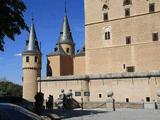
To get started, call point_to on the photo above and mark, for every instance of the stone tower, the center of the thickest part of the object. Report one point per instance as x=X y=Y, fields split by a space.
x=65 y=40
x=31 y=65
x=60 y=61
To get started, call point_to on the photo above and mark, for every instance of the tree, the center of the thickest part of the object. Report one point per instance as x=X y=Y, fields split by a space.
x=8 y=88
x=11 y=19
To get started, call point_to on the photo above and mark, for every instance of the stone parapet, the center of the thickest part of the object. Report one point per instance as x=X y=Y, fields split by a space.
x=123 y=75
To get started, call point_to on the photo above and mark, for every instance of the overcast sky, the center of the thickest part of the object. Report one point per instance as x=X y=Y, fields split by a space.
x=48 y=17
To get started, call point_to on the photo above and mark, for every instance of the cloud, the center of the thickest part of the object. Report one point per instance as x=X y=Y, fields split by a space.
x=18 y=54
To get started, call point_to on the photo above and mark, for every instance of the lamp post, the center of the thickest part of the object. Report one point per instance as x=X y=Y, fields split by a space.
x=81 y=96
x=110 y=94
x=158 y=100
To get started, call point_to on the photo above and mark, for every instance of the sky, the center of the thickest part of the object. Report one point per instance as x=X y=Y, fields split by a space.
x=48 y=18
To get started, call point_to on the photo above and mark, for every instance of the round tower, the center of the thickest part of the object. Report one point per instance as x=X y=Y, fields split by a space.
x=31 y=64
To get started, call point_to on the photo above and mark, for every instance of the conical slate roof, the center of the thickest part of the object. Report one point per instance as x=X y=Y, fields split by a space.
x=32 y=42
x=81 y=52
x=65 y=34
x=58 y=51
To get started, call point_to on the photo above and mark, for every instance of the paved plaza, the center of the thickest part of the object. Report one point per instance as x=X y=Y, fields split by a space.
x=103 y=114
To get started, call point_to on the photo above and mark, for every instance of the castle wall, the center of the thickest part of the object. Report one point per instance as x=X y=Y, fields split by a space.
x=115 y=55
x=94 y=9
x=54 y=63
x=30 y=86
x=54 y=88
x=136 y=87
x=79 y=65
x=144 y=57
x=66 y=65
x=31 y=71
x=61 y=65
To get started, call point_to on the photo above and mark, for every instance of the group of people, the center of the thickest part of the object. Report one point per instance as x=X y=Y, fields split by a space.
x=39 y=100
x=49 y=103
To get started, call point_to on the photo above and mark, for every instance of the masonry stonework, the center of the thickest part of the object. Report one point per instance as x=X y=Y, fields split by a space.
x=121 y=54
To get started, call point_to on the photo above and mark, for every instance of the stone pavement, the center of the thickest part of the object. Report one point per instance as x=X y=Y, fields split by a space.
x=103 y=114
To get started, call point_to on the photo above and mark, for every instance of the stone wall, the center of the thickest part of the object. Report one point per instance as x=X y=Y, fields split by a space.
x=134 y=87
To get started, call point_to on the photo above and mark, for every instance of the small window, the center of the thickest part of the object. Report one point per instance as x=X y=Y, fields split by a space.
x=27 y=59
x=105 y=16
x=100 y=95
x=107 y=36
x=127 y=2
x=67 y=50
x=27 y=42
x=55 y=49
x=124 y=66
x=36 y=43
x=105 y=7
x=36 y=59
x=147 y=99
x=127 y=99
x=151 y=7
x=83 y=48
x=77 y=93
x=155 y=36
x=127 y=12
x=128 y=40
x=86 y=93
x=131 y=69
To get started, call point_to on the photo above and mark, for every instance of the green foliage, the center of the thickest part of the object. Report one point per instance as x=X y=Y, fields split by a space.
x=11 y=19
x=10 y=89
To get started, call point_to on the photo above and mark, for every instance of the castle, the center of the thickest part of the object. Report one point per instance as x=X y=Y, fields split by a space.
x=121 y=54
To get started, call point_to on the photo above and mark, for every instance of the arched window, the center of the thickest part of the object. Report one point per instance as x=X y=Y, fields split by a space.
x=49 y=69
x=67 y=50
x=127 y=2
x=107 y=34
x=27 y=59
x=36 y=59
x=105 y=16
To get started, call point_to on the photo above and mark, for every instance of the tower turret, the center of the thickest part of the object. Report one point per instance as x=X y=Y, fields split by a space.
x=65 y=38
x=31 y=65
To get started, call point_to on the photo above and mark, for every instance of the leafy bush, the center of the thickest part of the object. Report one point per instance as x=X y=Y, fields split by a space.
x=8 y=88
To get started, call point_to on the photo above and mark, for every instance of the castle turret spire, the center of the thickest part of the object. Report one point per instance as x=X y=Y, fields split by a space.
x=32 y=43
x=31 y=64
x=65 y=34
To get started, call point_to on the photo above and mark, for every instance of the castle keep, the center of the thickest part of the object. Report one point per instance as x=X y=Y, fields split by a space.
x=121 y=54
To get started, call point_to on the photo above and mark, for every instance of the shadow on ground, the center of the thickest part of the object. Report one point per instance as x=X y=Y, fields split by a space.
x=75 y=113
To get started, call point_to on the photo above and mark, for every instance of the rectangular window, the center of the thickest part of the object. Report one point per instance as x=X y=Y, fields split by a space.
x=130 y=69
x=107 y=36
x=105 y=16
x=151 y=7
x=67 y=50
x=128 y=40
x=36 y=59
x=127 y=99
x=124 y=66
x=147 y=99
x=127 y=2
x=86 y=93
x=27 y=59
x=155 y=37
x=77 y=93
x=100 y=95
x=127 y=12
